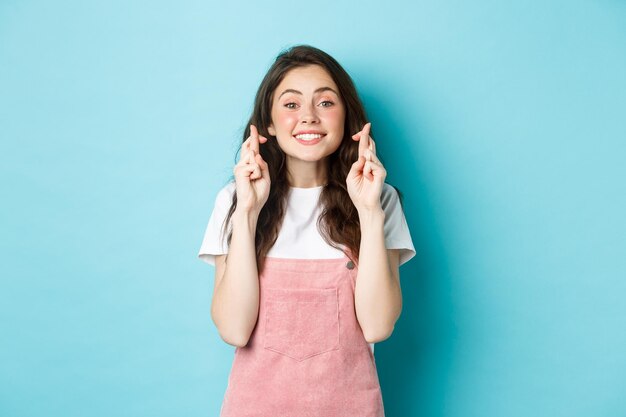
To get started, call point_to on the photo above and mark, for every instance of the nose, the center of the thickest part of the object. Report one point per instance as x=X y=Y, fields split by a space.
x=309 y=114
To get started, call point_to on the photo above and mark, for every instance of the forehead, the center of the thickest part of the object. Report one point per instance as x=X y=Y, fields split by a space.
x=306 y=79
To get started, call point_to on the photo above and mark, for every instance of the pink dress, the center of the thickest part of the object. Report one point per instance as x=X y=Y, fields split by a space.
x=307 y=356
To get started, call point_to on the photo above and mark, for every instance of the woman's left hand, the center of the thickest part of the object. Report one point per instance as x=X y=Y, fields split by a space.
x=367 y=175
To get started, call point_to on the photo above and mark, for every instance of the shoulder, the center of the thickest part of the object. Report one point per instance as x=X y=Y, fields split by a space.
x=391 y=203
x=389 y=196
x=225 y=194
x=397 y=234
x=229 y=187
x=388 y=189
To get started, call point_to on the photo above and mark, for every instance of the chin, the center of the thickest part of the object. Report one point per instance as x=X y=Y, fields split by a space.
x=308 y=158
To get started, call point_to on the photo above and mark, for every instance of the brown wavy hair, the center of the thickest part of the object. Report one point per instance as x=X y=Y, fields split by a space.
x=339 y=221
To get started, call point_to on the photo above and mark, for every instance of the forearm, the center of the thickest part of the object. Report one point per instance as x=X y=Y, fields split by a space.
x=378 y=298
x=236 y=301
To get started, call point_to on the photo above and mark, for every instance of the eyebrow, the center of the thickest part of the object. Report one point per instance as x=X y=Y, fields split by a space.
x=291 y=90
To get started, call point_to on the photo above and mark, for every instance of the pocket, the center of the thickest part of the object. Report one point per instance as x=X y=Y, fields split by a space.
x=301 y=323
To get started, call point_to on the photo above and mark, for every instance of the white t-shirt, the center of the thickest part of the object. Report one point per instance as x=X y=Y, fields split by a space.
x=299 y=236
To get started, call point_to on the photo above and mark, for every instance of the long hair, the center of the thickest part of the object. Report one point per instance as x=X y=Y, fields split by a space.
x=339 y=221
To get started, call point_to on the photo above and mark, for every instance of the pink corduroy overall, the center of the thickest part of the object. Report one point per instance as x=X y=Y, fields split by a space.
x=307 y=356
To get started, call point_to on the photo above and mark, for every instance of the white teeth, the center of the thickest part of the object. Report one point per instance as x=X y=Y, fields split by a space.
x=308 y=136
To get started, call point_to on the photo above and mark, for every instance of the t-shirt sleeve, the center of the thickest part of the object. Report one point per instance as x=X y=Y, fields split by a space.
x=213 y=242
x=397 y=234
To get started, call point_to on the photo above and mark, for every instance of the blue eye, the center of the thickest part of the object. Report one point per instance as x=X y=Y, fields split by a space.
x=327 y=101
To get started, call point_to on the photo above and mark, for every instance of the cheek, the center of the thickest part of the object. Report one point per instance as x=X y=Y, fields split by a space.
x=285 y=120
x=336 y=117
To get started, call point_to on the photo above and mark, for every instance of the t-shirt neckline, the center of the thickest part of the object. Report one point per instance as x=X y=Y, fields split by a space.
x=307 y=188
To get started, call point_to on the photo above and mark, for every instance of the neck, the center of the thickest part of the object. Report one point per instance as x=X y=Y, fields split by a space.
x=305 y=174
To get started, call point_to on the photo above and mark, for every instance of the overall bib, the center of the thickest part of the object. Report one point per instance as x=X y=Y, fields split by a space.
x=307 y=356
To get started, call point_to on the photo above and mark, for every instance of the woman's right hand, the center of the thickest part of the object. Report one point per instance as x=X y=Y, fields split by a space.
x=252 y=176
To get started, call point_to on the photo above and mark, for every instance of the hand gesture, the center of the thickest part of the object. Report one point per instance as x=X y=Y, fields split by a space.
x=252 y=176
x=367 y=175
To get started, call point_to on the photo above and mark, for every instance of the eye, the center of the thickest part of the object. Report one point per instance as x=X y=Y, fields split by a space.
x=330 y=103
x=289 y=104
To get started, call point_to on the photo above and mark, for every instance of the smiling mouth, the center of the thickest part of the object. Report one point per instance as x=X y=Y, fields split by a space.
x=309 y=136
x=309 y=139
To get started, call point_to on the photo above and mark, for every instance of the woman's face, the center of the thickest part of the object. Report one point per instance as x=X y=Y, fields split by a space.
x=307 y=114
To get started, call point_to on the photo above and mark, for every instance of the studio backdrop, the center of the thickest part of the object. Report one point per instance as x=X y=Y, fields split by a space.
x=503 y=124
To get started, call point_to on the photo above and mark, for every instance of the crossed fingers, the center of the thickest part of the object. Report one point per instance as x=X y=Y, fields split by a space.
x=367 y=146
x=250 y=149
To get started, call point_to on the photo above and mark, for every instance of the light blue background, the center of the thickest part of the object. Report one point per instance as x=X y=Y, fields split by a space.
x=502 y=122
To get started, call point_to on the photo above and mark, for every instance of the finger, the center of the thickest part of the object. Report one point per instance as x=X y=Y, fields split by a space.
x=371 y=146
x=376 y=170
x=256 y=174
x=256 y=170
x=358 y=165
x=244 y=160
x=367 y=170
x=364 y=139
x=248 y=144
x=355 y=169
x=244 y=148
x=252 y=171
x=358 y=134
x=258 y=157
x=243 y=170
x=264 y=167
x=254 y=161
x=250 y=156
x=263 y=171
x=371 y=156
x=254 y=134
x=367 y=154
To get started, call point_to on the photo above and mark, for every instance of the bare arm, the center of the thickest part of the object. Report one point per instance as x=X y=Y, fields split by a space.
x=378 y=296
x=235 y=305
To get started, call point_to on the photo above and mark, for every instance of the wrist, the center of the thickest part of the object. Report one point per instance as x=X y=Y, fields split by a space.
x=371 y=215
x=245 y=218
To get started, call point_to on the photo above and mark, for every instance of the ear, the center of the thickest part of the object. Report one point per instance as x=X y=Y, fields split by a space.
x=271 y=130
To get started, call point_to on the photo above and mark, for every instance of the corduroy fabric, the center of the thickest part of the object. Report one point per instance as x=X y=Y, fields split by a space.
x=307 y=356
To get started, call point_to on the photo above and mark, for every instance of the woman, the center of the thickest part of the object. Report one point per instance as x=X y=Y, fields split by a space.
x=308 y=273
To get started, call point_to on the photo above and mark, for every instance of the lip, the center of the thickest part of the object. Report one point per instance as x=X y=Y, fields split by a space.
x=314 y=132
x=310 y=132
x=309 y=142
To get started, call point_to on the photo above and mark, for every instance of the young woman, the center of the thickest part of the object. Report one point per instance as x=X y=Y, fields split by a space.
x=306 y=241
